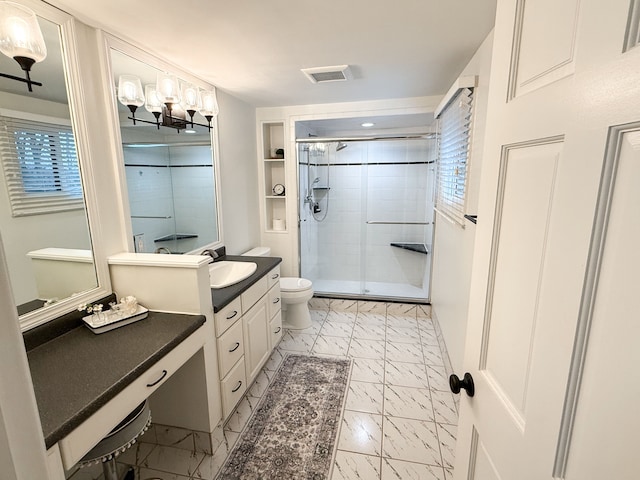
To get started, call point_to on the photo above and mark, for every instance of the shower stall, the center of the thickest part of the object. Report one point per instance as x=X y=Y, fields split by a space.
x=366 y=216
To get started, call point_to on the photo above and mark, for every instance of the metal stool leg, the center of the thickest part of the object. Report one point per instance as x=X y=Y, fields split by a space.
x=110 y=470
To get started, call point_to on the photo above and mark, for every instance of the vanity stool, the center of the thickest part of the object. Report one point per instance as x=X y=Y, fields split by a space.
x=123 y=436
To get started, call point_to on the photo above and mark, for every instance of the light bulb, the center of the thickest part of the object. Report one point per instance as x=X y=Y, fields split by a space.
x=152 y=103
x=209 y=107
x=130 y=91
x=167 y=88
x=191 y=97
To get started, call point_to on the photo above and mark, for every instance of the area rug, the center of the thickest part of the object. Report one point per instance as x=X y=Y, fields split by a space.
x=293 y=431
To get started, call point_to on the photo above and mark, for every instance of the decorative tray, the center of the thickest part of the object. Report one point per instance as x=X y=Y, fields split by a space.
x=110 y=319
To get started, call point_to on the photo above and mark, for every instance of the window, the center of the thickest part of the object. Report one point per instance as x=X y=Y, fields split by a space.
x=453 y=155
x=40 y=167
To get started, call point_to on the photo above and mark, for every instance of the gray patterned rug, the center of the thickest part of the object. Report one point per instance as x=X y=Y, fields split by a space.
x=292 y=433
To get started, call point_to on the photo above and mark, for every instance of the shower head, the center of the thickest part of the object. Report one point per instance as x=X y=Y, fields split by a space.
x=341 y=146
x=316 y=180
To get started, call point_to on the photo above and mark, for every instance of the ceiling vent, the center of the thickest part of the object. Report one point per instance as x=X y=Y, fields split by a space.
x=336 y=73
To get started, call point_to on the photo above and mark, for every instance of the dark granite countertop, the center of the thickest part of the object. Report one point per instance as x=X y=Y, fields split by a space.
x=222 y=297
x=78 y=372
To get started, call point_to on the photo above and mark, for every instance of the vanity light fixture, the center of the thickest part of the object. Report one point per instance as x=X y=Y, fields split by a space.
x=209 y=108
x=191 y=99
x=21 y=39
x=169 y=101
x=367 y=124
x=130 y=93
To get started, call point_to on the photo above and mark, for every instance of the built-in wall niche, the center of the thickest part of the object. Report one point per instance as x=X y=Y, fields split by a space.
x=273 y=168
x=45 y=177
x=170 y=167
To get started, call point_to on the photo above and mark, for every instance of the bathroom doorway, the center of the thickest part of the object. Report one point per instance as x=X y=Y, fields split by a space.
x=366 y=216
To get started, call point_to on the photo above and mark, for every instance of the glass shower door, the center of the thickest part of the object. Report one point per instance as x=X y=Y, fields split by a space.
x=399 y=212
x=365 y=218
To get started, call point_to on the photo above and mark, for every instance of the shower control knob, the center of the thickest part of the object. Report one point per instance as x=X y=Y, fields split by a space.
x=455 y=384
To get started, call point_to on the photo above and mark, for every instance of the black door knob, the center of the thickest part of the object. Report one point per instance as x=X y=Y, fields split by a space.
x=455 y=384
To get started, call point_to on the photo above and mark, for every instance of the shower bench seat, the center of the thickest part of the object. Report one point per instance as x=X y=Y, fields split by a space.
x=414 y=247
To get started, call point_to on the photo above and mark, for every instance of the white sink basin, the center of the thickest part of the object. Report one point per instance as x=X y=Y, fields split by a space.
x=225 y=273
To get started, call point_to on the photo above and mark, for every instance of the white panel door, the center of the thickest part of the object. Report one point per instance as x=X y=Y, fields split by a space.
x=552 y=329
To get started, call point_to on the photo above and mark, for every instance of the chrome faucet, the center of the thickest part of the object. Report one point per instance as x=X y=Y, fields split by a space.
x=211 y=253
x=162 y=250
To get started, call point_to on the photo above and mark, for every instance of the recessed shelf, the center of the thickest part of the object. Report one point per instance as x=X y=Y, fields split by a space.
x=273 y=171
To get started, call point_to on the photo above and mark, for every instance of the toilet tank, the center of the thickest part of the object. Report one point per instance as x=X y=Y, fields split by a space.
x=258 y=252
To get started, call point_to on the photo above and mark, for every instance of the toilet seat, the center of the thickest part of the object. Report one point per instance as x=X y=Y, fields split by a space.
x=293 y=284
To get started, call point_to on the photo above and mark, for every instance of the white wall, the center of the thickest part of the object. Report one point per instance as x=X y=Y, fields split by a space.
x=453 y=245
x=238 y=174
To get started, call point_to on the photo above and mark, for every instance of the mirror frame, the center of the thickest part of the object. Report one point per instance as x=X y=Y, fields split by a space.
x=78 y=110
x=110 y=43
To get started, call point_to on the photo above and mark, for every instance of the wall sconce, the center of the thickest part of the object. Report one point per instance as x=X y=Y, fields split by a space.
x=168 y=100
x=21 y=39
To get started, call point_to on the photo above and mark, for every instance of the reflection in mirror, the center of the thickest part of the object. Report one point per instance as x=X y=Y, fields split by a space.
x=42 y=210
x=168 y=158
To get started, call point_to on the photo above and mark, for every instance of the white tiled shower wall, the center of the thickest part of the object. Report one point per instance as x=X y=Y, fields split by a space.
x=369 y=181
x=175 y=182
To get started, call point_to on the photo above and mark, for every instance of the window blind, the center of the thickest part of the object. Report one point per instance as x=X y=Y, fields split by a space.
x=40 y=166
x=453 y=155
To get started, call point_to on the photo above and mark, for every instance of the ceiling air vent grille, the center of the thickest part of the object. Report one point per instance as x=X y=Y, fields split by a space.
x=328 y=74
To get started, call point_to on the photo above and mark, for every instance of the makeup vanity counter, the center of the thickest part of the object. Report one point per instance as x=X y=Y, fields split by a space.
x=85 y=383
x=77 y=373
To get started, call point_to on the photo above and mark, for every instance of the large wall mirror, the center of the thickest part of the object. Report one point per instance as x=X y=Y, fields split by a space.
x=170 y=158
x=43 y=214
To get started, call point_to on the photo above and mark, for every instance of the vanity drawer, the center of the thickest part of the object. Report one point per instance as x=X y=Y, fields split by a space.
x=77 y=443
x=275 y=327
x=230 y=348
x=233 y=387
x=274 y=300
x=255 y=293
x=274 y=276
x=227 y=316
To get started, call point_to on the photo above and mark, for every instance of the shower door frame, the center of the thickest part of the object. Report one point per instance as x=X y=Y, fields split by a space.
x=363 y=280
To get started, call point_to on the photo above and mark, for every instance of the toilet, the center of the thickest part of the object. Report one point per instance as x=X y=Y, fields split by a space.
x=295 y=293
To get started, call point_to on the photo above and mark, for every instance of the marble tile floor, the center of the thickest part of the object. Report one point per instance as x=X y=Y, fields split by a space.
x=400 y=417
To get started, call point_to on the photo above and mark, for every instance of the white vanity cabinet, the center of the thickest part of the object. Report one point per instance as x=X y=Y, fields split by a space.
x=275 y=306
x=256 y=337
x=248 y=329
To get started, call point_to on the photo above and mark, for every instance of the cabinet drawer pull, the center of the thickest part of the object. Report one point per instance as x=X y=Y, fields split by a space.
x=274 y=276
x=233 y=314
x=237 y=346
x=238 y=387
x=278 y=330
x=164 y=374
x=276 y=300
